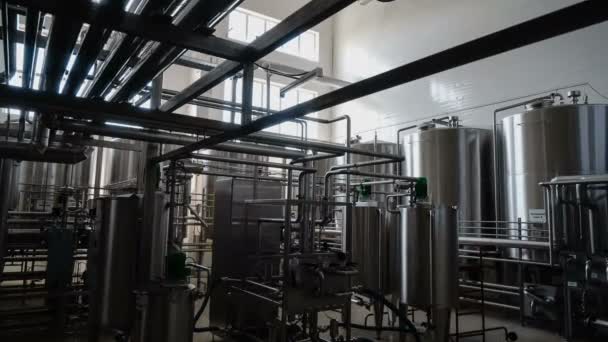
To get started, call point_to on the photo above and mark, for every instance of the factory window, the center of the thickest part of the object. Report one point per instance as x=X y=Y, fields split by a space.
x=246 y=26
x=277 y=103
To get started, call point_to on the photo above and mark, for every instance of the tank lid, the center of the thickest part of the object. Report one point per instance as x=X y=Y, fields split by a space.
x=539 y=104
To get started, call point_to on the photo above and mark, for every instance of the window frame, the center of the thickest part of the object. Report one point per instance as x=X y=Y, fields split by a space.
x=269 y=22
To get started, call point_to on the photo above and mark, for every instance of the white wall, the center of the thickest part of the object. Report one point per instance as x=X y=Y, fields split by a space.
x=377 y=37
x=177 y=77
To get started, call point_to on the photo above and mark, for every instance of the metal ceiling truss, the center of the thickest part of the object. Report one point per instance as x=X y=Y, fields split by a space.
x=560 y=22
x=191 y=29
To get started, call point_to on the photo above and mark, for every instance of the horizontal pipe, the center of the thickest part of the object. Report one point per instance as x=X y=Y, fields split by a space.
x=365 y=163
x=485 y=302
x=249 y=162
x=200 y=170
x=30 y=213
x=29 y=152
x=507 y=260
x=473 y=287
x=256 y=295
x=474 y=241
x=172 y=139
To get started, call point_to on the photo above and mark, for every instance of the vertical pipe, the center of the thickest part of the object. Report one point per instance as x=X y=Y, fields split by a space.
x=98 y=170
x=172 y=183
x=6 y=173
x=268 y=88
x=233 y=98
x=150 y=181
x=247 y=98
x=286 y=252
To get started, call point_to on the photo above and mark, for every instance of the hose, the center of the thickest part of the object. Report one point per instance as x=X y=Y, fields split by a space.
x=200 y=311
x=411 y=329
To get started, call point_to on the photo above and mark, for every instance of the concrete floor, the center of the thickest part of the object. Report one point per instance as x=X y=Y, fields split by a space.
x=472 y=322
x=467 y=323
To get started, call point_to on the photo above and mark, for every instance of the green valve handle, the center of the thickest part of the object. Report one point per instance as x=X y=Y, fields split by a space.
x=421 y=188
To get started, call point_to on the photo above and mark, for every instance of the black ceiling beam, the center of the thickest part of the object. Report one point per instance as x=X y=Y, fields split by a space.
x=126 y=49
x=62 y=39
x=195 y=17
x=32 y=20
x=92 y=45
x=566 y=20
x=311 y=14
x=9 y=17
x=99 y=110
x=147 y=27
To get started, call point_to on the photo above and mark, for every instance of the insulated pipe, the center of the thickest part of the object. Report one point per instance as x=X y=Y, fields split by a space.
x=24 y=151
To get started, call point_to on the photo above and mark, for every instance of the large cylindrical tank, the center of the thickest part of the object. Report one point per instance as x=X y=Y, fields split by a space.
x=371 y=222
x=121 y=167
x=428 y=250
x=37 y=181
x=542 y=143
x=170 y=314
x=369 y=242
x=457 y=162
x=379 y=192
x=111 y=272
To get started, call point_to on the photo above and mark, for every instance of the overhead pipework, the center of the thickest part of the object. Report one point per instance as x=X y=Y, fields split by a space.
x=117 y=219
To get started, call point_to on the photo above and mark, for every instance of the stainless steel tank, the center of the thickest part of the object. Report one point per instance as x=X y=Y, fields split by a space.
x=369 y=241
x=379 y=192
x=542 y=143
x=37 y=181
x=371 y=222
x=457 y=162
x=171 y=314
x=428 y=242
x=121 y=167
x=111 y=272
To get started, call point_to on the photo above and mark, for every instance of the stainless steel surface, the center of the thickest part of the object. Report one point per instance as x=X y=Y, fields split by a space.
x=112 y=266
x=120 y=166
x=414 y=280
x=171 y=314
x=379 y=192
x=206 y=183
x=234 y=244
x=509 y=243
x=6 y=166
x=445 y=256
x=428 y=256
x=457 y=163
x=54 y=174
x=158 y=238
x=540 y=144
x=369 y=241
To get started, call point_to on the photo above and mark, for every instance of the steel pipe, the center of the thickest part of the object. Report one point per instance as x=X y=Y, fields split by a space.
x=476 y=241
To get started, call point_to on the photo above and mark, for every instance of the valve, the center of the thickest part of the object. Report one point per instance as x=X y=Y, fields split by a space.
x=574 y=95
